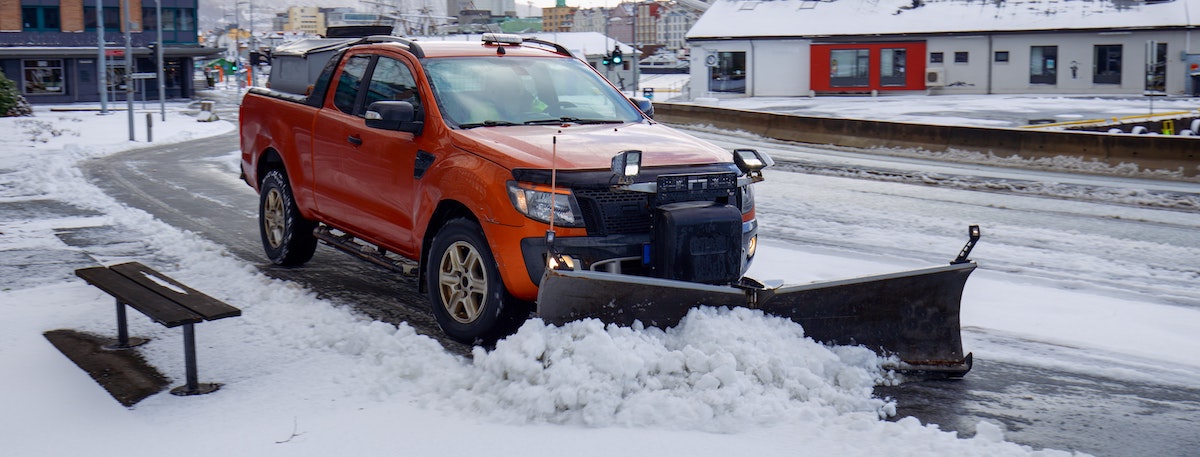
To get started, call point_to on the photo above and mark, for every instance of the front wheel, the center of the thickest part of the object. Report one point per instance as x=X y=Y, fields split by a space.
x=287 y=237
x=468 y=297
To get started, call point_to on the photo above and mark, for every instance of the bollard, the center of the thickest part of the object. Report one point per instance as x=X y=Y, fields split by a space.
x=206 y=113
x=149 y=127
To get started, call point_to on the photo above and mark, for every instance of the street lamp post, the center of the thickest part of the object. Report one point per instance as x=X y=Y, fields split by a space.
x=129 y=68
x=249 y=41
x=636 y=10
x=162 y=85
x=237 y=44
x=101 y=59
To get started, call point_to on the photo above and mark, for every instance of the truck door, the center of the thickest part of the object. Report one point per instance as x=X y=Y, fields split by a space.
x=368 y=176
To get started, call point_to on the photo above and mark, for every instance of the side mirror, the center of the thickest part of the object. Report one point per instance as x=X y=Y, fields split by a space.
x=644 y=104
x=394 y=115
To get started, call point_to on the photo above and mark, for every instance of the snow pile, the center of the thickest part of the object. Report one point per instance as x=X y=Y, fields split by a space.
x=719 y=370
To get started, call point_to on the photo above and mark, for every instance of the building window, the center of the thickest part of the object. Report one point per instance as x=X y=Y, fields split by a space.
x=960 y=57
x=112 y=19
x=1156 y=72
x=40 y=18
x=1002 y=56
x=185 y=19
x=1043 y=65
x=1108 y=64
x=849 y=67
x=168 y=20
x=150 y=19
x=892 y=64
x=173 y=20
x=115 y=75
x=43 y=77
x=935 y=57
x=730 y=73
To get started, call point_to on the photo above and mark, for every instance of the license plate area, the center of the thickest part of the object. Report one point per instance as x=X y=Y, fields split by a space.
x=714 y=187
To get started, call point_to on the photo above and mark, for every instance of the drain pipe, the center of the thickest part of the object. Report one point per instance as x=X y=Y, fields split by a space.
x=991 y=63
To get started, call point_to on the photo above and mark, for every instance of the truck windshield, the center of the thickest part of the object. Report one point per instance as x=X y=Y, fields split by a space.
x=499 y=91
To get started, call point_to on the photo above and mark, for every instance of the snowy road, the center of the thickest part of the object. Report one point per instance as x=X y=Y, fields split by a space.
x=1130 y=239
x=1120 y=236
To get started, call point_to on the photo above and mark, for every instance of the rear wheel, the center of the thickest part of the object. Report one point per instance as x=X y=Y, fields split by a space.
x=465 y=290
x=287 y=237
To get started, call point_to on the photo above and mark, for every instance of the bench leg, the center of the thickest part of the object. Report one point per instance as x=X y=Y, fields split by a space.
x=193 y=386
x=123 y=339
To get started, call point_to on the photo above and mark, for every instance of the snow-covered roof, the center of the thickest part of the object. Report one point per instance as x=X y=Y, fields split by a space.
x=809 y=18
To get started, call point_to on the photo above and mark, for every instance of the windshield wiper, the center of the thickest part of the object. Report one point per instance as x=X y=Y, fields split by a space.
x=574 y=120
x=487 y=123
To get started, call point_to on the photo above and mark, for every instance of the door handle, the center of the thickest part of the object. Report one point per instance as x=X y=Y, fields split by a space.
x=355 y=140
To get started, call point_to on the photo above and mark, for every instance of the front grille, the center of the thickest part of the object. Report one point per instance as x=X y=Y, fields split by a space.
x=609 y=212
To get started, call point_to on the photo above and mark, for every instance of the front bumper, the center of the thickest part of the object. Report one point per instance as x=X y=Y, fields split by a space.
x=631 y=252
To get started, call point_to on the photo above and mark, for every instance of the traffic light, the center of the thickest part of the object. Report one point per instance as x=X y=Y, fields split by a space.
x=606 y=60
x=616 y=56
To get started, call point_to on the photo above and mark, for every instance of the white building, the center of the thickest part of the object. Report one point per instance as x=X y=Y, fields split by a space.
x=673 y=26
x=590 y=20
x=801 y=47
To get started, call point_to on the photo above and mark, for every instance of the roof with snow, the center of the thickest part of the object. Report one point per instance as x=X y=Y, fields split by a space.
x=809 y=18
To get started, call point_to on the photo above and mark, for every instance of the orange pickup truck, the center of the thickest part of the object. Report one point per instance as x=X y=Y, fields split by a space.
x=474 y=165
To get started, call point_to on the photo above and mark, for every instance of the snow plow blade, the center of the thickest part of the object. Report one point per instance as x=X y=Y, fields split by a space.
x=913 y=315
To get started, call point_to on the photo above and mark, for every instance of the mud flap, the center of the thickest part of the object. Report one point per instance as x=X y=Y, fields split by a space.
x=913 y=315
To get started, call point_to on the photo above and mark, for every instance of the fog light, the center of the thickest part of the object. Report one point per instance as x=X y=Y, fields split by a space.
x=752 y=247
x=565 y=261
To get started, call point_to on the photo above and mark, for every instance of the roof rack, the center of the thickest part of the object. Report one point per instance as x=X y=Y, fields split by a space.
x=557 y=47
x=500 y=39
x=410 y=44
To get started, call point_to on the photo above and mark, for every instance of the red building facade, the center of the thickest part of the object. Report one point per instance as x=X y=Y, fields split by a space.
x=861 y=67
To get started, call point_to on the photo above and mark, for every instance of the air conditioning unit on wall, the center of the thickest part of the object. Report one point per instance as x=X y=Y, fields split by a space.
x=935 y=77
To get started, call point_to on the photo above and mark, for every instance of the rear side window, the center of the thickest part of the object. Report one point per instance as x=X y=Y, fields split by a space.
x=348 y=84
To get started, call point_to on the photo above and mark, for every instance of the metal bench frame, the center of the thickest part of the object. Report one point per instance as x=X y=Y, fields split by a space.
x=163 y=300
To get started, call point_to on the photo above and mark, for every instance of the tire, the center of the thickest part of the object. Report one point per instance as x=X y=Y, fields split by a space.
x=287 y=237
x=467 y=295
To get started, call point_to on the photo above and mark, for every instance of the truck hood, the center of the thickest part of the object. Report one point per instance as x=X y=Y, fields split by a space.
x=587 y=147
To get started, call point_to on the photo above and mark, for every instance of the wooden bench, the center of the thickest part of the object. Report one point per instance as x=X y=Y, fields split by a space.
x=164 y=300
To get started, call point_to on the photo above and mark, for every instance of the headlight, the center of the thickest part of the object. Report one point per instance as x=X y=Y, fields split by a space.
x=536 y=203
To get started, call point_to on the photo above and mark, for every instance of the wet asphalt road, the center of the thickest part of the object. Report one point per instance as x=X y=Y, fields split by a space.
x=193 y=186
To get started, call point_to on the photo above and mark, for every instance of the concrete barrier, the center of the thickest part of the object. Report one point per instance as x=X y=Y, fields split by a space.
x=1146 y=151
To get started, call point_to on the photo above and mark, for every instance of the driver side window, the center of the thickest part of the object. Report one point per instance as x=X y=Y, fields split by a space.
x=392 y=80
x=349 y=82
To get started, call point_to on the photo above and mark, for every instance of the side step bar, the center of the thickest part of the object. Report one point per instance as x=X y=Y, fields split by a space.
x=379 y=256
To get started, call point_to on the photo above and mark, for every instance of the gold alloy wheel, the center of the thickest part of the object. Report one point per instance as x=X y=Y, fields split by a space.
x=462 y=282
x=273 y=219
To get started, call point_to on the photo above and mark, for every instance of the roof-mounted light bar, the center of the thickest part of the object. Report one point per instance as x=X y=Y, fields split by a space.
x=516 y=40
x=502 y=38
